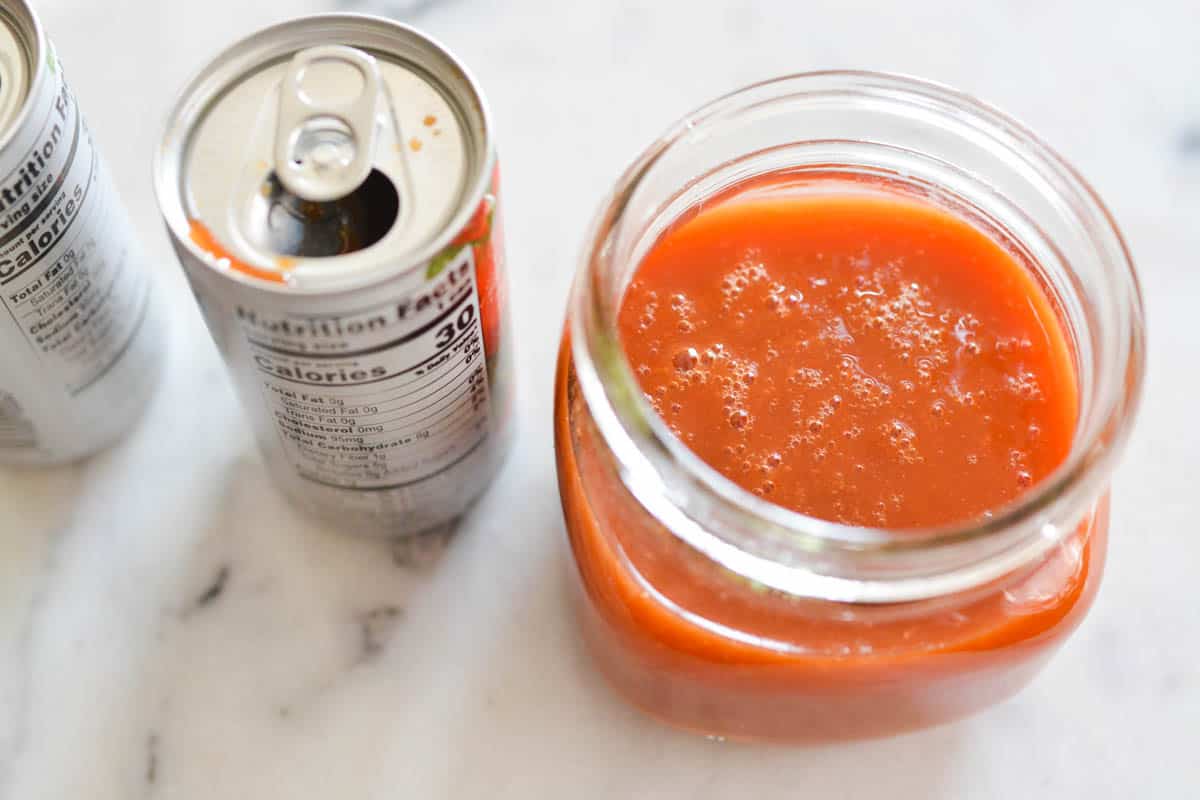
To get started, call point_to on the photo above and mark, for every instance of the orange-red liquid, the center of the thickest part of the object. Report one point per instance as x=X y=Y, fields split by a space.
x=859 y=357
x=868 y=360
x=203 y=238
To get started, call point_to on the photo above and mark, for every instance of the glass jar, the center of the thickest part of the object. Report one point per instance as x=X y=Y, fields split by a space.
x=720 y=612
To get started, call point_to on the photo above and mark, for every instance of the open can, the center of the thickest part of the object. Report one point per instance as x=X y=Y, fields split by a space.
x=330 y=186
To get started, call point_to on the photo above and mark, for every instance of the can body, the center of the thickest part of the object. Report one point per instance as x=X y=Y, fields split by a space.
x=80 y=338
x=382 y=406
x=379 y=411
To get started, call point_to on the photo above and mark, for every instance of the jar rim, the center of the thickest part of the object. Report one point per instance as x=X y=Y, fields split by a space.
x=654 y=464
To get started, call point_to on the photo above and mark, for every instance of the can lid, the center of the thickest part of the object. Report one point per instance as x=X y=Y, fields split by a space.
x=310 y=166
x=16 y=71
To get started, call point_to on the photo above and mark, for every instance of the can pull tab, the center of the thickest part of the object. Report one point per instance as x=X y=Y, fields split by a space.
x=325 y=135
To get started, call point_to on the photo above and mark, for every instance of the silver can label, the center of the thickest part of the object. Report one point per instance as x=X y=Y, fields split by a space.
x=385 y=397
x=67 y=278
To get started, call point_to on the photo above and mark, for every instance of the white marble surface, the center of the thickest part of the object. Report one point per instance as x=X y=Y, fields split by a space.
x=169 y=629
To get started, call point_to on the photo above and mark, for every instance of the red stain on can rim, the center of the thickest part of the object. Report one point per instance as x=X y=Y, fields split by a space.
x=203 y=238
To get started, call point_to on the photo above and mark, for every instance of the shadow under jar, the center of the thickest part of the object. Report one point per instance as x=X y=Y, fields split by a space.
x=717 y=610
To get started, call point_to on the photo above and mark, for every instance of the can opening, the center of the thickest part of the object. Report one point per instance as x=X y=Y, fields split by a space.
x=282 y=223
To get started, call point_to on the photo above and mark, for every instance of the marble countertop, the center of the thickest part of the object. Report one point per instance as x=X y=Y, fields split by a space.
x=169 y=628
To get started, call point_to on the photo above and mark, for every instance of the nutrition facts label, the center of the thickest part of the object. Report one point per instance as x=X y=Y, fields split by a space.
x=383 y=397
x=66 y=279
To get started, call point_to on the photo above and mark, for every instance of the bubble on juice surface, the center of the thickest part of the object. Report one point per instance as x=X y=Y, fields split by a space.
x=648 y=316
x=686 y=360
x=734 y=283
x=713 y=354
x=903 y=440
x=1024 y=384
x=866 y=388
x=739 y=419
x=807 y=377
x=962 y=396
x=835 y=330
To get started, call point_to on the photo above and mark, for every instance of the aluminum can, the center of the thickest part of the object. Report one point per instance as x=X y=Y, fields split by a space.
x=81 y=339
x=330 y=186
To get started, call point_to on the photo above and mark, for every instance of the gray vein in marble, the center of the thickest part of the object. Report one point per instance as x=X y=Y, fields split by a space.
x=210 y=594
x=1189 y=142
x=151 y=758
x=377 y=626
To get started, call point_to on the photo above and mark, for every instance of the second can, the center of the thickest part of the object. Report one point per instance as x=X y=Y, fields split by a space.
x=330 y=185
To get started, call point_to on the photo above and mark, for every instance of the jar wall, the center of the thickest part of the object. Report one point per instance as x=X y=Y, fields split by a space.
x=704 y=649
